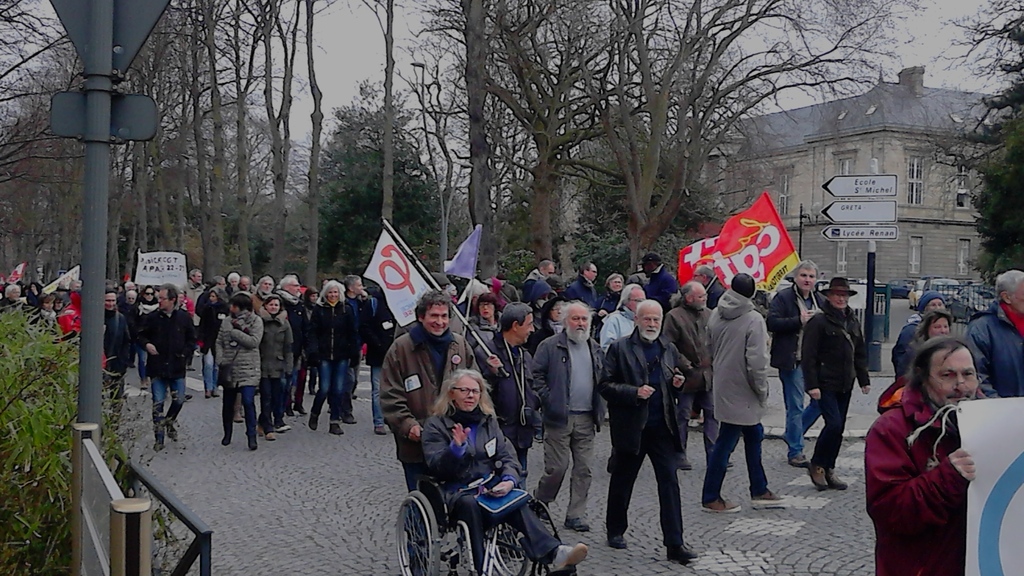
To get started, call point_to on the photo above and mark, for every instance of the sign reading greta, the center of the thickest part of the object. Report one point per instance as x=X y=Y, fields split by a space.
x=156 y=268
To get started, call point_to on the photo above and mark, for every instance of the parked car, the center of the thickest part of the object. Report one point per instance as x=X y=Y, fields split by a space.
x=900 y=289
x=969 y=300
x=946 y=286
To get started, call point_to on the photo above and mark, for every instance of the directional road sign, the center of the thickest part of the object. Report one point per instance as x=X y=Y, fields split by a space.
x=862 y=186
x=866 y=212
x=132 y=116
x=852 y=232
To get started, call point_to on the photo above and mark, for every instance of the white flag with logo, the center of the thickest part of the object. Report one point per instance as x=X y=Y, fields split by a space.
x=398 y=278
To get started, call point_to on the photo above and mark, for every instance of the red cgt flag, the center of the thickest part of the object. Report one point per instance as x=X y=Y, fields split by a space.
x=17 y=273
x=754 y=241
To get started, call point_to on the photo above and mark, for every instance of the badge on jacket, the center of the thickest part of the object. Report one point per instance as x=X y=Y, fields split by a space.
x=491 y=447
x=413 y=383
x=456 y=359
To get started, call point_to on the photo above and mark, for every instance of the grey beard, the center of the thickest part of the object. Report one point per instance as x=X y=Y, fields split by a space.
x=646 y=338
x=578 y=336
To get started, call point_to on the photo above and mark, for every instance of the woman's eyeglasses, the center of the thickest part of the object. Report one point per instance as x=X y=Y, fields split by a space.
x=467 y=391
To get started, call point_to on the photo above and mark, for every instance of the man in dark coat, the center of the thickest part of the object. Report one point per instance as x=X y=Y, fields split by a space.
x=686 y=326
x=788 y=313
x=661 y=285
x=705 y=274
x=506 y=366
x=833 y=355
x=583 y=288
x=290 y=292
x=641 y=381
x=169 y=338
x=996 y=336
x=117 y=345
x=565 y=373
x=378 y=332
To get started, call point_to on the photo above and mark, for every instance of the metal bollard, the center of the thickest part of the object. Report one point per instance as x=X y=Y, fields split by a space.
x=80 y=431
x=131 y=531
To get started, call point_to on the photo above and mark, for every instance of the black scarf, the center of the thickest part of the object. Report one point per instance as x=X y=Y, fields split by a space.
x=436 y=345
x=472 y=418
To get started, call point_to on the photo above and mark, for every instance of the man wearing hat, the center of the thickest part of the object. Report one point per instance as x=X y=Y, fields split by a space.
x=833 y=355
x=661 y=285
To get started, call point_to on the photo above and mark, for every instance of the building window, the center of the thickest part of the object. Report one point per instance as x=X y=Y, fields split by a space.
x=963 y=257
x=844 y=166
x=916 y=242
x=841 y=257
x=963 y=183
x=784 y=194
x=915 y=180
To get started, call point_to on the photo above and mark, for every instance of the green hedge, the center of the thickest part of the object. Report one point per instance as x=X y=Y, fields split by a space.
x=38 y=393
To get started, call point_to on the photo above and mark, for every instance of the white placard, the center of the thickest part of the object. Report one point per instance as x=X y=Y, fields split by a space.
x=992 y=432
x=156 y=268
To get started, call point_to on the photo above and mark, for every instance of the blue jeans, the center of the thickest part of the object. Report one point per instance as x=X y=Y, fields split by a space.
x=378 y=414
x=273 y=392
x=798 y=420
x=728 y=437
x=834 y=406
x=161 y=387
x=141 y=364
x=210 y=371
x=227 y=412
x=334 y=388
x=707 y=405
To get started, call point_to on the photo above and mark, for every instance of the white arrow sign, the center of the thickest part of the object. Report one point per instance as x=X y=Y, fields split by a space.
x=862 y=186
x=851 y=212
x=838 y=233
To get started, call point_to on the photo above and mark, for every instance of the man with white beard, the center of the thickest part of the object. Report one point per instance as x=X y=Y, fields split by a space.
x=641 y=381
x=565 y=372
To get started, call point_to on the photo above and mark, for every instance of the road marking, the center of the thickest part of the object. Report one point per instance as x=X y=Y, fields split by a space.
x=804 y=502
x=734 y=562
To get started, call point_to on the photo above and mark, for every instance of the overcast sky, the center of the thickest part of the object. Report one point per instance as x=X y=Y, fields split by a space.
x=352 y=50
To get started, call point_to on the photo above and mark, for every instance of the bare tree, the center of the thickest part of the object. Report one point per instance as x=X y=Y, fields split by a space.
x=317 y=118
x=685 y=75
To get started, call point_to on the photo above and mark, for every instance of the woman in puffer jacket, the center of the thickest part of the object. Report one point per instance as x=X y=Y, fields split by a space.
x=238 y=361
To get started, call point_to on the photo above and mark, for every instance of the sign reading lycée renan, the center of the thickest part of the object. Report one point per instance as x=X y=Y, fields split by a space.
x=853 y=232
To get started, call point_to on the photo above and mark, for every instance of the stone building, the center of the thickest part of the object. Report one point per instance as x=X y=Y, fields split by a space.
x=902 y=128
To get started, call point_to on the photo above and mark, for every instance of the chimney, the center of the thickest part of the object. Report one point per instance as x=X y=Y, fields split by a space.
x=913 y=80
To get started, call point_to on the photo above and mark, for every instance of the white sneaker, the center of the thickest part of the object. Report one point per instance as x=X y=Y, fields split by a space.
x=569 y=556
x=284 y=428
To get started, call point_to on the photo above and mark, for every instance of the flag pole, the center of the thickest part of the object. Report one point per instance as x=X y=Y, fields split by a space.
x=430 y=280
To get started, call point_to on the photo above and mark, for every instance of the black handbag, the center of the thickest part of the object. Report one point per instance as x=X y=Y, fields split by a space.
x=225 y=372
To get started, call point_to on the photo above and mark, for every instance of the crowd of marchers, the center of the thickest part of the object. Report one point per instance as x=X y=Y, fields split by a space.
x=475 y=382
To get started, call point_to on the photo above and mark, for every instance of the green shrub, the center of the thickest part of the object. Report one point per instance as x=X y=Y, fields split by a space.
x=38 y=392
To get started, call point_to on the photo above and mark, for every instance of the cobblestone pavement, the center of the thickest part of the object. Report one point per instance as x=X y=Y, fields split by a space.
x=315 y=504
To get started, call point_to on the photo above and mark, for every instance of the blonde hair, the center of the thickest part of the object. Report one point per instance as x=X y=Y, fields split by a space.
x=444 y=406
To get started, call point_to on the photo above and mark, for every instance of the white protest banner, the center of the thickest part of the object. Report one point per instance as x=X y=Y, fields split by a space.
x=156 y=268
x=64 y=281
x=401 y=282
x=992 y=432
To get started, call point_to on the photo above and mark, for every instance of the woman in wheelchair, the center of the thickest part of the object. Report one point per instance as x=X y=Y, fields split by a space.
x=466 y=451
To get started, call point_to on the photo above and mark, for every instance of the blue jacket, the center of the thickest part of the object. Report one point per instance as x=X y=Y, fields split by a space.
x=998 y=352
x=661 y=287
x=579 y=290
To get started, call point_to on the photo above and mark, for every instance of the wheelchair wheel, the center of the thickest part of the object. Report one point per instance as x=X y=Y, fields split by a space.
x=416 y=535
x=508 y=557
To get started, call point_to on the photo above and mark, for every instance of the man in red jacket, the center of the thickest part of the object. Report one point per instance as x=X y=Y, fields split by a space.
x=917 y=496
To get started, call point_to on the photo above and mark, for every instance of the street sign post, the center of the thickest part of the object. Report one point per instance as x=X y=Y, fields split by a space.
x=854 y=232
x=107 y=34
x=866 y=215
x=862 y=186
x=860 y=212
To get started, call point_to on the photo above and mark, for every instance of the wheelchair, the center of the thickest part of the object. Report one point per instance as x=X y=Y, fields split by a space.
x=429 y=541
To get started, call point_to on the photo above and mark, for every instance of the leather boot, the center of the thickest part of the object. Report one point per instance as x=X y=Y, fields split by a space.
x=834 y=481
x=817 y=474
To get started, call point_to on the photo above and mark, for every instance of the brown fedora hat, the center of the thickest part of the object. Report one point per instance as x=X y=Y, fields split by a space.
x=839 y=284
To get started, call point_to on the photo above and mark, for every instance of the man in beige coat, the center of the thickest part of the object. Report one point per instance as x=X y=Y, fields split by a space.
x=739 y=347
x=414 y=368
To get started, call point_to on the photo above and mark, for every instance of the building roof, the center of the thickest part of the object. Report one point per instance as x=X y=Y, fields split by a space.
x=907 y=105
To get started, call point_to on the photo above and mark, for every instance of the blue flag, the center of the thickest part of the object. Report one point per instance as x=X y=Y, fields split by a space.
x=463 y=264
